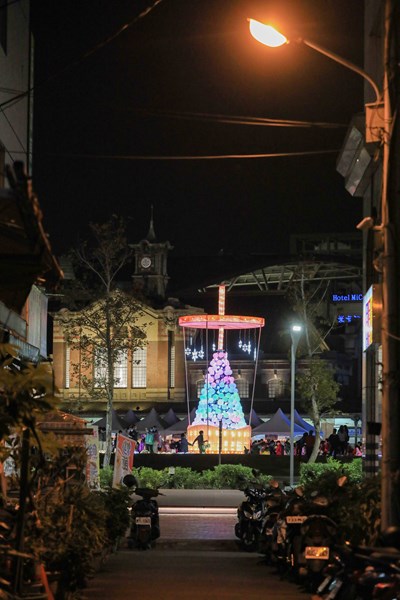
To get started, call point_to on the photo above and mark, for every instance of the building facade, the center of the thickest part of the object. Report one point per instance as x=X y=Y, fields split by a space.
x=16 y=69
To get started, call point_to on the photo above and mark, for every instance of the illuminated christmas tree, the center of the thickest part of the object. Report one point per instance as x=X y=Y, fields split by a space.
x=219 y=398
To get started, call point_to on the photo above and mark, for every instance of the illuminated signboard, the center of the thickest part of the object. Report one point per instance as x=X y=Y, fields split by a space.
x=372 y=309
x=343 y=319
x=347 y=297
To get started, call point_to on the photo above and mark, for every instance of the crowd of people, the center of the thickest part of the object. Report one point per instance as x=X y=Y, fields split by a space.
x=152 y=441
x=336 y=444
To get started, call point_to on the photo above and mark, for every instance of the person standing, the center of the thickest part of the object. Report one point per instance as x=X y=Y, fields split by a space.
x=149 y=440
x=334 y=443
x=183 y=444
x=343 y=440
x=201 y=442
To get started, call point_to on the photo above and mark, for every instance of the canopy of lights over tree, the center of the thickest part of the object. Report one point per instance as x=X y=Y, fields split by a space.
x=219 y=413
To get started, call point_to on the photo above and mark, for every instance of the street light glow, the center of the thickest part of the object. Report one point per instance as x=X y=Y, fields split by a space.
x=266 y=34
x=296 y=327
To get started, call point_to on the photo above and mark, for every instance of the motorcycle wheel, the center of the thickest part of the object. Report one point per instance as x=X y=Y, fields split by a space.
x=143 y=538
x=249 y=541
x=237 y=530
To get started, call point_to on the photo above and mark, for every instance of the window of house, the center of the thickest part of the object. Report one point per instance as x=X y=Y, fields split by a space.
x=67 y=366
x=3 y=24
x=275 y=387
x=139 y=368
x=121 y=370
x=242 y=386
x=101 y=368
x=199 y=386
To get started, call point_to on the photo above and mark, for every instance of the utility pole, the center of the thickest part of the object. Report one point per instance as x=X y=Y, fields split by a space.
x=390 y=209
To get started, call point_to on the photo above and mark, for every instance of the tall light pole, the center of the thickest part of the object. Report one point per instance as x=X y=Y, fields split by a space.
x=390 y=487
x=295 y=333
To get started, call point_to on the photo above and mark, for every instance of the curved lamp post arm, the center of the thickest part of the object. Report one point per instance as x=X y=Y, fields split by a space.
x=344 y=62
x=269 y=36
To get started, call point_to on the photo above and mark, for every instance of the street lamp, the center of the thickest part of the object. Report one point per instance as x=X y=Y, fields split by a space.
x=390 y=466
x=295 y=332
x=269 y=36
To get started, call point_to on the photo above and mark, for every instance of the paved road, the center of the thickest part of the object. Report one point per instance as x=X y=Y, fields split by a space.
x=189 y=572
x=196 y=558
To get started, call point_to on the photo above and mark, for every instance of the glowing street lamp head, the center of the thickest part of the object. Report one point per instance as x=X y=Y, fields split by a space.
x=296 y=328
x=266 y=34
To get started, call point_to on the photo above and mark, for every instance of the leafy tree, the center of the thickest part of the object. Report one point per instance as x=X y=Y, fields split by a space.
x=101 y=322
x=318 y=386
x=319 y=390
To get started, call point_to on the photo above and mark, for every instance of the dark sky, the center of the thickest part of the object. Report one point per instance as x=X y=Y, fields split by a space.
x=97 y=103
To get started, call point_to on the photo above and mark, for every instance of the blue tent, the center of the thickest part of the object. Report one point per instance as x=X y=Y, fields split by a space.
x=255 y=419
x=301 y=422
x=279 y=424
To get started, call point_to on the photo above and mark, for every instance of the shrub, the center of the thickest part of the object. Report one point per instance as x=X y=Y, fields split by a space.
x=355 y=506
x=151 y=478
x=220 y=477
x=232 y=477
x=73 y=532
x=116 y=502
x=185 y=478
x=318 y=476
x=106 y=477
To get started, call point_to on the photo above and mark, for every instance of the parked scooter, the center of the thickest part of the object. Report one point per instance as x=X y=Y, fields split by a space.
x=363 y=573
x=252 y=513
x=145 y=521
x=287 y=532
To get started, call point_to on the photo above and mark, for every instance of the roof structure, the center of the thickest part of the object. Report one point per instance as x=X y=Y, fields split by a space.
x=117 y=422
x=255 y=419
x=181 y=426
x=152 y=419
x=170 y=418
x=25 y=253
x=279 y=424
x=301 y=422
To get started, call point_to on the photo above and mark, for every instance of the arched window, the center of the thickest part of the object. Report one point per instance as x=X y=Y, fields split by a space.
x=199 y=386
x=275 y=386
x=242 y=386
x=139 y=367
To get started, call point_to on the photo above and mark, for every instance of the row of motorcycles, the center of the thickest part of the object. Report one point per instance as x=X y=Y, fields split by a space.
x=298 y=537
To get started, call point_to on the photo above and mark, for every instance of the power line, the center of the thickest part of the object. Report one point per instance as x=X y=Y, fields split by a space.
x=194 y=157
x=240 y=120
x=87 y=54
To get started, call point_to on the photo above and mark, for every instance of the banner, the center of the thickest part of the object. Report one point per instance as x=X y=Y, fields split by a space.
x=124 y=453
x=93 y=462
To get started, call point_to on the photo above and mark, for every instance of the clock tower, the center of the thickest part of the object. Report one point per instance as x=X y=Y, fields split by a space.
x=151 y=264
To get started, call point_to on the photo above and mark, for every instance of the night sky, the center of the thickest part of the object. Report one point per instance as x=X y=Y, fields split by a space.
x=98 y=105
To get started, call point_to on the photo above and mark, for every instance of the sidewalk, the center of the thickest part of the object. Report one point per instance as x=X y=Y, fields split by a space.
x=200 y=498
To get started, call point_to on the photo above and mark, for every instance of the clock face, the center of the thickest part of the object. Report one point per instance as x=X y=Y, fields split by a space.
x=145 y=262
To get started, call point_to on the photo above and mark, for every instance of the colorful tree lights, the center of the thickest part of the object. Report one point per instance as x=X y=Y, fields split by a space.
x=219 y=398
